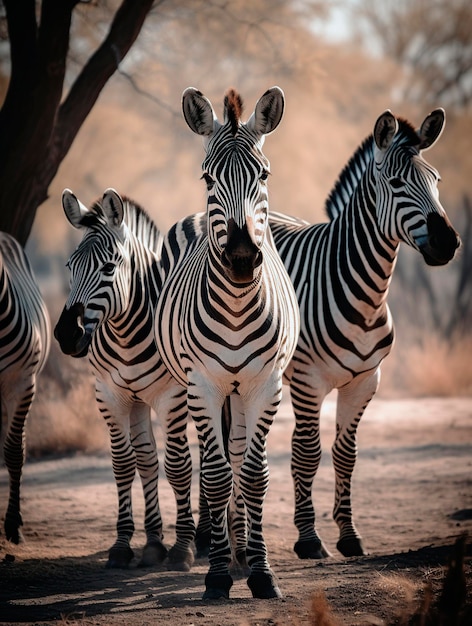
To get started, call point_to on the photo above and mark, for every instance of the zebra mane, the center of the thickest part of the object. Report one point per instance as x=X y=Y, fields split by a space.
x=352 y=173
x=233 y=106
x=135 y=217
x=349 y=178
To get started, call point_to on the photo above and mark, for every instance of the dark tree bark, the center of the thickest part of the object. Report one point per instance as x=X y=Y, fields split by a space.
x=37 y=127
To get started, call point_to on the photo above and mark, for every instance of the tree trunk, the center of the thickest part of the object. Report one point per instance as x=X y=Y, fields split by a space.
x=36 y=130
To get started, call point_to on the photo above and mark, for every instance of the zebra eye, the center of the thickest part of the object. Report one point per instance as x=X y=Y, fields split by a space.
x=397 y=183
x=108 y=269
x=208 y=180
x=264 y=175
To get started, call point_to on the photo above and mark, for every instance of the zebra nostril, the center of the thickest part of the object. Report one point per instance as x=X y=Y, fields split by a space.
x=225 y=260
x=258 y=259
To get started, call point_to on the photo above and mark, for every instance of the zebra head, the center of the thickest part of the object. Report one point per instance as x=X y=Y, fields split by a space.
x=99 y=271
x=408 y=206
x=235 y=171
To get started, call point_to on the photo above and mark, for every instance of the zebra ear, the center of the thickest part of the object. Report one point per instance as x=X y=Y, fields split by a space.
x=73 y=208
x=432 y=128
x=268 y=112
x=112 y=205
x=198 y=112
x=385 y=130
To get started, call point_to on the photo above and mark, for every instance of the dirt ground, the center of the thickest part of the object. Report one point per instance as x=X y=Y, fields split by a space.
x=412 y=498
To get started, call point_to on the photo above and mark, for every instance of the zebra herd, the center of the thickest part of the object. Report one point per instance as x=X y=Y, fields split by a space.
x=210 y=319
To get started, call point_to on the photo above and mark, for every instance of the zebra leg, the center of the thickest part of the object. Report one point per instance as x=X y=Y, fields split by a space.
x=144 y=445
x=203 y=532
x=352 y=402
x=178 y=467
x=236 y=426
x=234 y=431
x=17 y=405
x=254 y=482
x=306 y=457
x=124 y=469
x=217 y=485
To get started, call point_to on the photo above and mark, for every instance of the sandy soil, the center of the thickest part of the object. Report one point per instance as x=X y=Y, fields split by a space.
x=412 y=499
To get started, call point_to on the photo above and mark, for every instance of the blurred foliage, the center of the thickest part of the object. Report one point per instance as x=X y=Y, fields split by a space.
x=432 y=39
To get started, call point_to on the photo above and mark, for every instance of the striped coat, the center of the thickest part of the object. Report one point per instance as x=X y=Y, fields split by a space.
x=24 y=347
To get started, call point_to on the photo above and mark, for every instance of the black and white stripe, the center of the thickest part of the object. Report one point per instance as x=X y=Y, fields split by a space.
x=341 y=271
x=24 y=347
x=109 y=315
x=227 y=322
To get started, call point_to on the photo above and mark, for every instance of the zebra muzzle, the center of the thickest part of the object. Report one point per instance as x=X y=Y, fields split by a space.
x=70 y=333
x=441 y=243
x=241 y=255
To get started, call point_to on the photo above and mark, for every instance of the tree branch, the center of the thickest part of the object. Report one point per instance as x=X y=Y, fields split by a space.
x=85 y=91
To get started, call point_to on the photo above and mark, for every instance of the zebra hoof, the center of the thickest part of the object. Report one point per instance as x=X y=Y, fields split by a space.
x=12 y=528
x=351 y=546
x=217 y=586
x=14 y=534
x=311 y=549
x=202 y=544
x=263 y=585
x=119 y=558
x=180 y=559
x=154 y=553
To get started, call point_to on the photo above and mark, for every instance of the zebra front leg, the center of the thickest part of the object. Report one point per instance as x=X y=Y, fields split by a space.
x=217 y=485
x=254 y=482
x=147 y=463
x=306 y=457
x=124 y=470
x=352 y=402
x=234 y=432
x=14 y=455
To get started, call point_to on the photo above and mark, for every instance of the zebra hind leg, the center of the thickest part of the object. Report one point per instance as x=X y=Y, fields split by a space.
x=203 y=532
x=352 y=402
x=306 y=457
x=14 y=454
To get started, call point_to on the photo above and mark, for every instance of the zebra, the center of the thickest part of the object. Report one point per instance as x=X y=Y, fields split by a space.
x=342 y=271
x=115 y=283
x=227 y=322
x=386 y=194
x=24 y=348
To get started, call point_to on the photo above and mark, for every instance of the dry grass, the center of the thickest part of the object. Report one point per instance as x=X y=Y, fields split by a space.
x=64 y=417
x=427 y=364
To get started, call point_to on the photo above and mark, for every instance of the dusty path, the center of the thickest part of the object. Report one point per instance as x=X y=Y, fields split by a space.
x=412 y=498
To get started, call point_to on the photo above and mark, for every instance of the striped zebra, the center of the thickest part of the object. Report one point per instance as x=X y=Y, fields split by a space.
x=109 y=315
x=227 y=322
x=341 y=271
x=24 y=347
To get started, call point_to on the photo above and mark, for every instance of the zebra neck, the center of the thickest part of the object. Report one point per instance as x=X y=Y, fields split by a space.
x=144 y=289
x=365 y=257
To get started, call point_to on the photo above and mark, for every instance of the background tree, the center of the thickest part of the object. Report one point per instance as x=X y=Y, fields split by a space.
x=38 y=125
x=431 y=40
